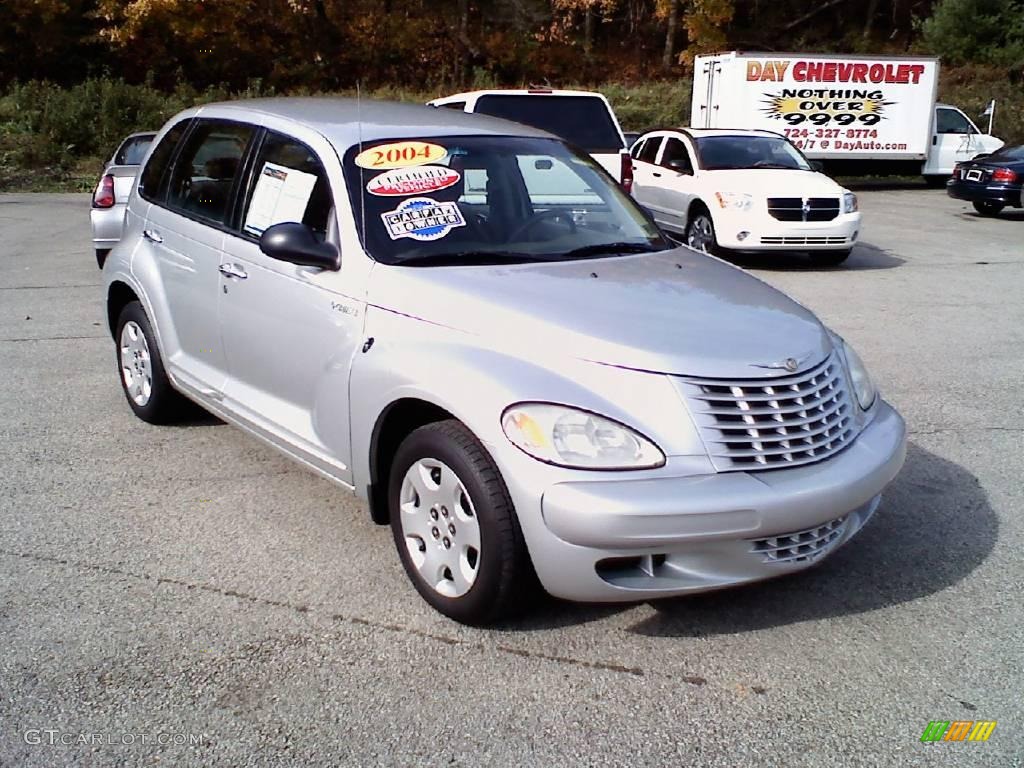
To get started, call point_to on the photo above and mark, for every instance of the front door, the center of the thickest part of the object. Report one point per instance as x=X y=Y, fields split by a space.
x=955 y=140
x=290 y=332
x=676 y=187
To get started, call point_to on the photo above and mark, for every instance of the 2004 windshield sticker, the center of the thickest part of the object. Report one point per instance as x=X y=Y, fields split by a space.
x=401 y=154
x=422 y=218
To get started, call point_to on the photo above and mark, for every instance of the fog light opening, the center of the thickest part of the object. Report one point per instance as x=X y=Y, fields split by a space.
x=741 y=236
x=854 y=238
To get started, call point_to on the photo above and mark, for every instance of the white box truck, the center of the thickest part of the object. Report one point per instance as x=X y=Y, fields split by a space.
x=856 y=114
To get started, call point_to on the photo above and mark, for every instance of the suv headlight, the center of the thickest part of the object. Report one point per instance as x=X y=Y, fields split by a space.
x=740 y=201
x=850 y=204
x=863 y=387
x=570 y=437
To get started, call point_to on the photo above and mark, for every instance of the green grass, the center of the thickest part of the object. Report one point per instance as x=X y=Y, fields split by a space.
x=56 y=139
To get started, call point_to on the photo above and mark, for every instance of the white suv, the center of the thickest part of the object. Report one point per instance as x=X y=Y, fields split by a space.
x=583 y=118
x=742 y=190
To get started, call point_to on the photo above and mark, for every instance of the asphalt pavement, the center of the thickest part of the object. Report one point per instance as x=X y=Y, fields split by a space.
x=186 y=596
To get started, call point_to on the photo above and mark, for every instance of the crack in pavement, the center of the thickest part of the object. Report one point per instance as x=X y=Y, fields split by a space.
x=47 y=287
x=355 y=620
x=943 y=430
x=55 y=338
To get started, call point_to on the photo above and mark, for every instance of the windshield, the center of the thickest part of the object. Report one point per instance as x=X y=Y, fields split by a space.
x=486 y=200
x=581 y=120
x=719 y=153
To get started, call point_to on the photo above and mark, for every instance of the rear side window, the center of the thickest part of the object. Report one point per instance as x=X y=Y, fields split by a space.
x=205 y=172
x=650 y=150
x=637 y=149
x=133 y=150
x=289 y=184
x=581 y=120
x=149 y=181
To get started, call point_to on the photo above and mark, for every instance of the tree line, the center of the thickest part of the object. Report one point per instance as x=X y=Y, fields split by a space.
x=336 y=44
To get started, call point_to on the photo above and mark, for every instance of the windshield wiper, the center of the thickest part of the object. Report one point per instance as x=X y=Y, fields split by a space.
x=600 y=248
x=457 y=258
x=779 y=165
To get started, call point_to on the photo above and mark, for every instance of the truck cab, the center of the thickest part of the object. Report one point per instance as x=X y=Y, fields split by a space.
x=955 y=139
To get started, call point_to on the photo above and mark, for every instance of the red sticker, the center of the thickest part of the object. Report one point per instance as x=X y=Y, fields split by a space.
x=417 y=180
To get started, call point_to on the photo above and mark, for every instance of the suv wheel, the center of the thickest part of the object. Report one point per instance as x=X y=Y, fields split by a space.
x=700 y=232
x=141 y=369
x=454 y=525
x=988 y=207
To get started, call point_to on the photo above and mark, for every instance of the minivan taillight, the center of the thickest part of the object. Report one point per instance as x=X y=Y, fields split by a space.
x=103 y=197
x=626 y=172
x=1004 y=174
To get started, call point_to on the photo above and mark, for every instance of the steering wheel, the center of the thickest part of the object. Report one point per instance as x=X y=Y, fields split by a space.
x=550 y=213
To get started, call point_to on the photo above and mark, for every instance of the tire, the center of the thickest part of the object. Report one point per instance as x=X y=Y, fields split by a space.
x=138 y=360
x=935 y=182
x=472 y=585
x=988 y=207
x=829 y=258
x=700 y=232
x=101 y=256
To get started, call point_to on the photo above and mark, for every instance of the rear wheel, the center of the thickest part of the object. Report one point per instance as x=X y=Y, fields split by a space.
x=829 y=258
x=988 y=207
x=141 y=369
x=101 y=256
x=700 y=232
x=454 y=525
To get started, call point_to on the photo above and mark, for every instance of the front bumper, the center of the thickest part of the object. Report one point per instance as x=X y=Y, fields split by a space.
x=1007 y=194
x=765 y=233
x=623 y=540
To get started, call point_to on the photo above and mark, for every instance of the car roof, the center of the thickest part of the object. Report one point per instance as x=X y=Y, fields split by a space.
x=468 y=95
x=345 y=121
x=701 y=132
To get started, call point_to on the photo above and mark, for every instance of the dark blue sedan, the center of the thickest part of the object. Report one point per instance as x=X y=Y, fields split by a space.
x=991 y=182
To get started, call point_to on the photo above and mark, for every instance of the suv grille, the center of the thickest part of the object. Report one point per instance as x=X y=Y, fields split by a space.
x=801 y=546
x=803 y=209
x=764 y=423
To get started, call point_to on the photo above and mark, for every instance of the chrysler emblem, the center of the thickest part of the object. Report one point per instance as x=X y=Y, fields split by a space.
x=789 y=364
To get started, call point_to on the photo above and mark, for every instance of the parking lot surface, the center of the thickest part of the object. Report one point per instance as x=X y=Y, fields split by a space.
x=169 y=584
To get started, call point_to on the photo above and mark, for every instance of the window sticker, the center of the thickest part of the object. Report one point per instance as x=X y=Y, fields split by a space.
x=412 y=181
x=422 y=219
x=400 y=154
x=281 y=195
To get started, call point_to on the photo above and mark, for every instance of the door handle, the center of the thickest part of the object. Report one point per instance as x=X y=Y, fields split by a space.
x=152 y=235
x=656 y=174
x=233 y=270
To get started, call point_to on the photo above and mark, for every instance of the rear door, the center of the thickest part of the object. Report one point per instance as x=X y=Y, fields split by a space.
x=185 y=228
x=290 y=332
x=645 y=153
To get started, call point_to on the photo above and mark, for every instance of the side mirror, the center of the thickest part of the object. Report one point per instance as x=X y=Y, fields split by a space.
x=296 y=244
x=816 y=165
x=681 y=166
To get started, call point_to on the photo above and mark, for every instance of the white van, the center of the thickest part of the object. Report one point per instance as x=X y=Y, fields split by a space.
x=582 y=118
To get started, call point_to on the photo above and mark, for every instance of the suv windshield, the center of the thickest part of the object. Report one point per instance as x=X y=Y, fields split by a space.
x=487 y=200
x=718 y=153
x=581 y=120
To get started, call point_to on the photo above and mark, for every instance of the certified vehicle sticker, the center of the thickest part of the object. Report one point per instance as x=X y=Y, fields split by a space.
x=412 y=181
x=401 y=154
x=422 y=219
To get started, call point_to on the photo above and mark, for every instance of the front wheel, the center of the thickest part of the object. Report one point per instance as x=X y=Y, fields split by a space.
x=829 y=258
x=700 y=233
x=988 y=207
x=455 y=527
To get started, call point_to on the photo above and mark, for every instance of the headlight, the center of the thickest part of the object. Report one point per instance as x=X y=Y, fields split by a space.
x=850 y=202
x=570 y=437
x=739 y=200
x=863 y=387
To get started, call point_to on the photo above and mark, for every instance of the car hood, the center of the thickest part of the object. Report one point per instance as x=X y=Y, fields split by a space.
x=677 y=312
x=774 y=182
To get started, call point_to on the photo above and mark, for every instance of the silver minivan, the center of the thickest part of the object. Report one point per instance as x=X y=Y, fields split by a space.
x=525 y=386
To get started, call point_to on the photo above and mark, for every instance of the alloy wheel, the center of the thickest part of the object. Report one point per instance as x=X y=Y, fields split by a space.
x=136 y=365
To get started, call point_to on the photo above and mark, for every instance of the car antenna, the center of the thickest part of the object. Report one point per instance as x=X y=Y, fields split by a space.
x=362 y=181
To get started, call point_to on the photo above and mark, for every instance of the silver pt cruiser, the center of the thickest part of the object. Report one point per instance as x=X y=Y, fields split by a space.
x=469 y=324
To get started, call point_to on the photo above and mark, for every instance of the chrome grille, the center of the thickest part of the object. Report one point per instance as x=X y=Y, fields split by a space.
x=753 y=424
x=803 y=209
x=801 y=546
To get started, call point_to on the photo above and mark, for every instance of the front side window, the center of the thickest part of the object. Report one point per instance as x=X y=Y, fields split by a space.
x=207 y=168
x=675 y=155
x=289 y=184
x=486 y=200
x=951 y=121
x=722 y=153
x=155 y=170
